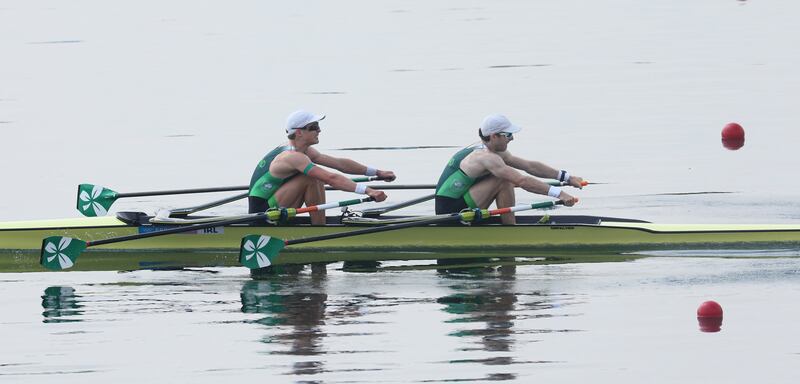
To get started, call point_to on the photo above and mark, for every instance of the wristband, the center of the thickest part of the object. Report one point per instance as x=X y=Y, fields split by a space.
x=361 y=189
x=554 y=191
x=371 y=172
x=563 y=175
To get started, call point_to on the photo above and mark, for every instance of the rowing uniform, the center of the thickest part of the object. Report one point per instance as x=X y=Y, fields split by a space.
x=452 y=190
x=263 y=185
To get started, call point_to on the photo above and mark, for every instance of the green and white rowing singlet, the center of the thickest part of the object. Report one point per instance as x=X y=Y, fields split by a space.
x=453 y=182
x=262 y=183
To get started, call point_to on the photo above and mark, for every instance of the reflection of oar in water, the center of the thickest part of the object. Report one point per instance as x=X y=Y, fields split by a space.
x=60 y=252
x=258 y=251
x=95 y=200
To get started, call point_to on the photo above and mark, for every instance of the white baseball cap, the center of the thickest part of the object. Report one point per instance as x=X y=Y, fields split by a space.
x=299 y=119
x=497 y=123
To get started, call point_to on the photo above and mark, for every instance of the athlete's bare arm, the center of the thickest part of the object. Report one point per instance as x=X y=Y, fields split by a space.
x=344 y=165
x=498 y=167
x=538 y=169
x=299 y=161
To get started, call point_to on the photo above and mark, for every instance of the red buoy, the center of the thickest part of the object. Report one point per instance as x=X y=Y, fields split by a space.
x=709 y=315
x=732 y=131
x=732 y=136
x=709 y=309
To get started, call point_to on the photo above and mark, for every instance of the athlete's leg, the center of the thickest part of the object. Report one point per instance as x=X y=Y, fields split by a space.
x=315 y=194
x=492 y=188
x=303 y=189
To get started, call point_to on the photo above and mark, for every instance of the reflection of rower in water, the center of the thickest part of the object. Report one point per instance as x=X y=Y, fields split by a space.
x=283 y=300
x=61 y=305
x=493 y=304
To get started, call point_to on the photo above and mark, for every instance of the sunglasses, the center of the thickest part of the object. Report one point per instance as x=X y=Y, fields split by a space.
x=507 y=135
x=311 y=127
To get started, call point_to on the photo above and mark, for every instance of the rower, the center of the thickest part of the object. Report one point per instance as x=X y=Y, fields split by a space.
x=289 y=175
x=486 y=172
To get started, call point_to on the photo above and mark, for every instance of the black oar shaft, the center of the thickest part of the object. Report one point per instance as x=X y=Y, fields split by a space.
x=190 y=210
x=386 y=187
x=181 y=229
x=377 y=211
x=183 y=191
x=246 y=187
x=250 y=218
x=384 y=228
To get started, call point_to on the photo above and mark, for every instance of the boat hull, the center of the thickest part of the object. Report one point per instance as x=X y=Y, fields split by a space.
x=20 y=242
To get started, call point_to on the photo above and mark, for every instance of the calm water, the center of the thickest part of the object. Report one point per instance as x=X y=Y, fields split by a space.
x=620 y=322
x=150 y=95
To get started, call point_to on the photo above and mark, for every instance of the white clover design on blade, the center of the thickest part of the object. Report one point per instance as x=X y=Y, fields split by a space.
x=255 y=250
x=90 y=202
x=57 y=251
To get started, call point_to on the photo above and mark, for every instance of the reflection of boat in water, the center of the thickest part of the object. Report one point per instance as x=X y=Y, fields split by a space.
x=493 y=315
x=492 y=307
x=281 y=305
x=61 y=305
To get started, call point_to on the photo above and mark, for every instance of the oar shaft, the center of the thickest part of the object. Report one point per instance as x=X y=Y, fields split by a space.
x=468 y=215
x=248 y=218
x=523 y=207
x=322 y=207
x=183 y=191
x=381 y=210
x=216 y=203
x=181 y=229
x=386 y=187
x=391 y=227
x=224 y=189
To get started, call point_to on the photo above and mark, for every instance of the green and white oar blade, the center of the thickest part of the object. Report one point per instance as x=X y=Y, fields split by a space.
x=59 y=252
x=258 y=251
x=94 y=200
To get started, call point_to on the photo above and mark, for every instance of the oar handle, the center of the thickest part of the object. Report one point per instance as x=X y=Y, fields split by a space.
x=557 y=183
x=368 y=178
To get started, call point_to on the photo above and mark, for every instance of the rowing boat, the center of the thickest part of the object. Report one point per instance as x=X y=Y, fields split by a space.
x=21 y=242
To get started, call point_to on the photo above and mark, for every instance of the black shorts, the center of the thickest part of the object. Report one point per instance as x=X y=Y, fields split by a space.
x=449 y=205
x=257 y=204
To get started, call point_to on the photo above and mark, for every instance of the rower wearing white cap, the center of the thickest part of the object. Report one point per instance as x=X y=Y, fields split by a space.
x=288 y=176
x=486 y=172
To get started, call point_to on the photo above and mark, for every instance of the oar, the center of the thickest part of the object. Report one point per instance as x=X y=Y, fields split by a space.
x=60 y=252
x=94 y=200
x=258 y=251
x=216 y=203
x=377 y=211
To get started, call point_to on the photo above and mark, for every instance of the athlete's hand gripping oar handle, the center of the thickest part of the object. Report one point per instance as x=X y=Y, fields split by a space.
x=94 y=200
x=258 y=251
x=557 y=183
x=60 y=252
